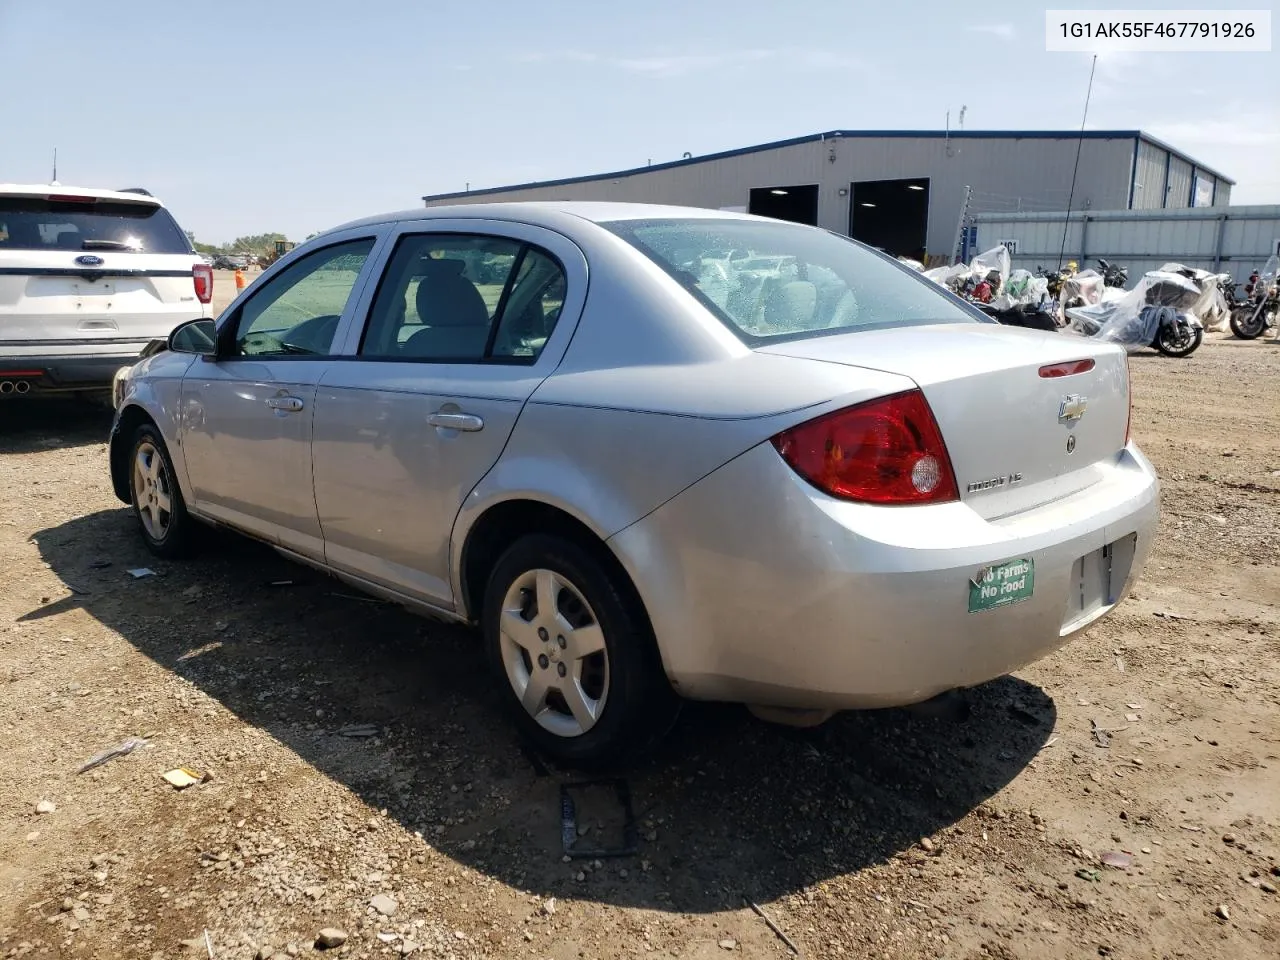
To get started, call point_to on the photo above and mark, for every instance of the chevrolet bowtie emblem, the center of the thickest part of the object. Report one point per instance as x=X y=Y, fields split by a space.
x=1072 y=408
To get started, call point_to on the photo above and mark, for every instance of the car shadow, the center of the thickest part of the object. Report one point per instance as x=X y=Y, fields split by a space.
x=730 y=808
x=28 y=425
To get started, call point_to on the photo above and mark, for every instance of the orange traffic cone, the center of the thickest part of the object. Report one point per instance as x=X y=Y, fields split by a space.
x=239 y=279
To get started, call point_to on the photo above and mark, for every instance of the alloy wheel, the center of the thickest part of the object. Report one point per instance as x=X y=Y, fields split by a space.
x=554 y=653
x=152 y=490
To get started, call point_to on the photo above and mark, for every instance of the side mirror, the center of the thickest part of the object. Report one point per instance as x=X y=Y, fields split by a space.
x=195 y=336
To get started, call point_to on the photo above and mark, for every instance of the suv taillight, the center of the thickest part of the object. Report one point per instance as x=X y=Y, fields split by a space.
x=887 y=451
x=202 y=277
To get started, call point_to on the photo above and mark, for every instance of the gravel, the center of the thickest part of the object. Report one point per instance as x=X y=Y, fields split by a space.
x=436 y=806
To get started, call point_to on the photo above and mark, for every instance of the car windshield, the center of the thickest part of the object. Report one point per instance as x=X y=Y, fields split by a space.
x=772 y=281
x=38 y=223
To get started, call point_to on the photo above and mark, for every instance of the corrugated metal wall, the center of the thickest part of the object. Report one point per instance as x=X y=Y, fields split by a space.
x=1148 y=180
x=1234 y=240
x=1178 y=190
x=1007 y=174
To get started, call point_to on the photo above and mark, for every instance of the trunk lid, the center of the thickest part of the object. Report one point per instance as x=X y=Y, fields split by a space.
x=1017 y=438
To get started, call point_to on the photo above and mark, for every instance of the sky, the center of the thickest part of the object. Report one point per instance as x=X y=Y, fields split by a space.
x=297 y=115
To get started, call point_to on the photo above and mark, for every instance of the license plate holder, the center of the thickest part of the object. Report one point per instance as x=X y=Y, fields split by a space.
x=93 y=288
x=1002 y=584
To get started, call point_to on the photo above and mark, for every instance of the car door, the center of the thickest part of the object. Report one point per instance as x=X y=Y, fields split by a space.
x=467 y=319
x=246 y=416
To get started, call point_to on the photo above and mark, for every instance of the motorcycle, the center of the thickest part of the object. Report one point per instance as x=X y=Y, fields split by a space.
x=1012 y=297
x=1227 y=285
x=1156 y=313
x=1261 y=308
x=1113 y=275
x=1213 y=308
x=1056 y=278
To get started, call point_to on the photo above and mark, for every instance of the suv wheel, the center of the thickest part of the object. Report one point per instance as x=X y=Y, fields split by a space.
x=575 y=653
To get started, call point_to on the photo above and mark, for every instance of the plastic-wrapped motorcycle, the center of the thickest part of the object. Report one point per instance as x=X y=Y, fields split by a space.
x=1158 y=313
x=988 y=282
x=1262 y=308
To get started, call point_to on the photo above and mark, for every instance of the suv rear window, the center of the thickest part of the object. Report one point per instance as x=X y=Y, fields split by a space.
x=773 y=281
x=37 y=223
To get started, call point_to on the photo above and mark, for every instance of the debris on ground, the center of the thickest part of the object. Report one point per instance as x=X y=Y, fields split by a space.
x=359 y=730
x=184 y=777
x=139 y=572
x=46 y=806
x=121 y=749
x=777 y=930
x=331 y=937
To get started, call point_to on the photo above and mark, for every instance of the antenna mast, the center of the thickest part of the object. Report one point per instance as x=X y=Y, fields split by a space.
x=1066 y=223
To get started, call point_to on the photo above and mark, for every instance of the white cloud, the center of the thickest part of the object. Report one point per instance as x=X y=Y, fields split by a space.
x=1004 y=31
x=664 y=66
x=1244 y=131
x=676 y=66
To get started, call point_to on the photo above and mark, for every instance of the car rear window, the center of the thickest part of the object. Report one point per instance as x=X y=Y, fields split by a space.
x=38 y=223
x=772 y=281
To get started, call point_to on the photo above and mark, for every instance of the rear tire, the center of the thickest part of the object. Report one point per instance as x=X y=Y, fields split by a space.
x=166 y=527
x=574 y=654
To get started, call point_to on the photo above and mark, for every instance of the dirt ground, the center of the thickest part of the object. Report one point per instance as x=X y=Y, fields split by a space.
x=983 y=831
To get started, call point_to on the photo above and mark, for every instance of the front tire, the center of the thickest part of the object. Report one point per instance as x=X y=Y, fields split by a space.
x=166 y=527
x=574 y=653
x=1248 y=323
x=1171 y=345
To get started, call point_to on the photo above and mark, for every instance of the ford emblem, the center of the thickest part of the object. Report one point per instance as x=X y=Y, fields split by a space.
x=89 y=260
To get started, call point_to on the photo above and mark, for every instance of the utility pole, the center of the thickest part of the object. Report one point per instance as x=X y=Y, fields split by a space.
x=957 y=250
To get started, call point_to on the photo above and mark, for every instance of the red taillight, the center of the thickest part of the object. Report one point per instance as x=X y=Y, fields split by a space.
x=70 y=198
x=1068 y=369
x=202 y=277
x=888 y=451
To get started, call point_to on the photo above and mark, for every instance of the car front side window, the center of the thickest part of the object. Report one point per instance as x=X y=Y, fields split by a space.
x=296 y=313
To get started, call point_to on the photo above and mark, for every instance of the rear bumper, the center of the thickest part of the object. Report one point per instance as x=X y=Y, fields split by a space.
x=61 y=374
x=763 y=590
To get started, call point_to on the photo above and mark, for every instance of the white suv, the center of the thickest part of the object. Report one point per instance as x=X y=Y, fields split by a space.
x=87 y=279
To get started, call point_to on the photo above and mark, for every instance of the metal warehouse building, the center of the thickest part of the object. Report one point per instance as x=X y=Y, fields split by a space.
x=905 y=190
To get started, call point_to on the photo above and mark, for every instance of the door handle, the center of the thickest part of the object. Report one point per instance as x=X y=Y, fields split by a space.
x=466 y=422
x=292 y=404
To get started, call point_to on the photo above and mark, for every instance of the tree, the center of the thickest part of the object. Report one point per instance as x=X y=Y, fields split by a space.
x=260 y=244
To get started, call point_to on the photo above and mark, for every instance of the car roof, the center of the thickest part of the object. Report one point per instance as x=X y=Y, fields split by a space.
x=550 y=213
x=45 y=190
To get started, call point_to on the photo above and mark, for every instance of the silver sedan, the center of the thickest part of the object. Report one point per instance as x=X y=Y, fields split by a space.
x=654 y=453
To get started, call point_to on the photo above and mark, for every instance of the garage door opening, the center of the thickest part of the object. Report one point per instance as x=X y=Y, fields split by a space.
x=797 y=204
x=891 y=214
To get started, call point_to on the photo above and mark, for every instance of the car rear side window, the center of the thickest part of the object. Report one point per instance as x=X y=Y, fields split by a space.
x=39 y=223
x=774 y=281
x=464 y=298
